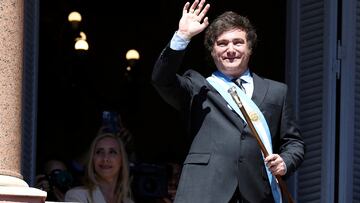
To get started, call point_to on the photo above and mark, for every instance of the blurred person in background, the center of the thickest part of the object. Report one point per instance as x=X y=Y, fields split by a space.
x=112 y=122
x=55 y=180
x=107 y=173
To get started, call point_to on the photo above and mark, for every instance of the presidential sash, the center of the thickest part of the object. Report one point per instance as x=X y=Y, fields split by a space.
x=222 y=83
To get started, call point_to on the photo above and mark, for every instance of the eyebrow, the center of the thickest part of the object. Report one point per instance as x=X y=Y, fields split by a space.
x=103 y=148
x=237 y=38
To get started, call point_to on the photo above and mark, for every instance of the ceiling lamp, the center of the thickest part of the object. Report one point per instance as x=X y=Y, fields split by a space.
x=74 y=17
x=81 y=43
x=132 y=54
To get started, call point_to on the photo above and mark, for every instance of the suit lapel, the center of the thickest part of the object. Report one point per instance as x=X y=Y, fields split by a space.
x=222 y=104
x=261 y=87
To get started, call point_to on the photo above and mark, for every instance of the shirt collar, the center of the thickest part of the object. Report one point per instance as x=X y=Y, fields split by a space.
x=247 y=76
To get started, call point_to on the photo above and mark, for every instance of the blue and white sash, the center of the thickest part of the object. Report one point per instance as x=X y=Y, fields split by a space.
x=222 y=83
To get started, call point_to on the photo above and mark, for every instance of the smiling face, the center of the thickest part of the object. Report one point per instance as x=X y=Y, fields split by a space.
x=107 y=159
x=231 y=52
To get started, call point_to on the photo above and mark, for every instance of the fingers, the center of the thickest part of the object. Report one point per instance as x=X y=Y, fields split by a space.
x=275 y=164
x=194 y=6
x=204 y=11
x=270 y=158
x=186 y=7
x=206 y=22
x=199 y=7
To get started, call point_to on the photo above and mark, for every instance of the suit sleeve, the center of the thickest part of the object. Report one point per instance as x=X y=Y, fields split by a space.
x=172 y=87
x=292 y=146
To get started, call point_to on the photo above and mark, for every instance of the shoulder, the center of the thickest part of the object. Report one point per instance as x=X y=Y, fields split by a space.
x=195 y=77
x=273 y=85
x=192 y=73
x=77 y=194
x=276 y=84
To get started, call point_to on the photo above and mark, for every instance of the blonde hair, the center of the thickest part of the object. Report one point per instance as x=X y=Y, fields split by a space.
x=122 y=188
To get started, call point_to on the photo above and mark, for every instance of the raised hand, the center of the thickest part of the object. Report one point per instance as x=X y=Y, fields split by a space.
x=193 y=20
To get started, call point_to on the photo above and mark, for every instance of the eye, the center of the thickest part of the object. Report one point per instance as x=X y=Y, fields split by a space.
x=113 y=151
x=222 y=43
x=238 y=42
x=99 y=151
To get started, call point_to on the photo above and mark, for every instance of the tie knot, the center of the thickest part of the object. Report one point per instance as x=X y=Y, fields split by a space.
x=239 y=82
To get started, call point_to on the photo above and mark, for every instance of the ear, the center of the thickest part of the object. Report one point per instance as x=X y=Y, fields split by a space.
x=250 y=51
x=212 y=53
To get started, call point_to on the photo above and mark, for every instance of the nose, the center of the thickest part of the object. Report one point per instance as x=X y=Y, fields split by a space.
x=231 y=49
x=105 y=158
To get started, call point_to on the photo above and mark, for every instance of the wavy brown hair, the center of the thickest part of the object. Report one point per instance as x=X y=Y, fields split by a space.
x=227 y=21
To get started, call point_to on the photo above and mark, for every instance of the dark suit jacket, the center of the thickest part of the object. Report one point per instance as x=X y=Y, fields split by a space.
x=223 y=153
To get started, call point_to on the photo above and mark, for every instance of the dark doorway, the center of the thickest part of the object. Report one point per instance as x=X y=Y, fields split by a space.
x=74 y=88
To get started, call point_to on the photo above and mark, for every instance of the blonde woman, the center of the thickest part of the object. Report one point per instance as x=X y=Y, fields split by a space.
x=107 y=177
